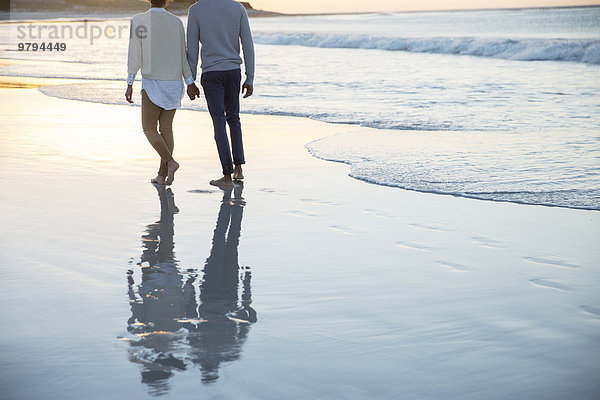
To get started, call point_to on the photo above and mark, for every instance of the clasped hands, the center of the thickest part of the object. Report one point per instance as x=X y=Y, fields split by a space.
x=193 y=91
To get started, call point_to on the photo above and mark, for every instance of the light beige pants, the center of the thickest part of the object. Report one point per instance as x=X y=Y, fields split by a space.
x=162 y=142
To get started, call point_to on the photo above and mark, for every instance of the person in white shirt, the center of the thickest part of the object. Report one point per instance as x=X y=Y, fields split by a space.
x=157 y=47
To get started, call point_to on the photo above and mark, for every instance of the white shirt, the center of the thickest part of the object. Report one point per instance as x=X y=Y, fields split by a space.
x=165 y=94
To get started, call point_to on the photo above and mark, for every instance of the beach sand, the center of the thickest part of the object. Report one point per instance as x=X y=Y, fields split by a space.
x=335 y=288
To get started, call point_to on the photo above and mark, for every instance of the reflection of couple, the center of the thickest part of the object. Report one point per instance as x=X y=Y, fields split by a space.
x=157 y=47
x=173 y=328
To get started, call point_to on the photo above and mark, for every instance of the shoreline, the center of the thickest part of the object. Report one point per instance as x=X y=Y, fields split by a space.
x=459 y=195
x=26 y=82
x=378 y=290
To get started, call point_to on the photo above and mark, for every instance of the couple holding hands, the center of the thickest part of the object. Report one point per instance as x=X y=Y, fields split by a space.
x=157 y=46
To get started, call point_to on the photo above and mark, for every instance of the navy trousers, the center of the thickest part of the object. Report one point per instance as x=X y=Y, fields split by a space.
x=222 y=93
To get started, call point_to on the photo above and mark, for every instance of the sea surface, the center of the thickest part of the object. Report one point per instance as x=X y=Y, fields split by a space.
x=497 y=105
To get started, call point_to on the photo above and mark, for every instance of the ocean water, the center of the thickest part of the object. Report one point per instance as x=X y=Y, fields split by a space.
x=497 y=105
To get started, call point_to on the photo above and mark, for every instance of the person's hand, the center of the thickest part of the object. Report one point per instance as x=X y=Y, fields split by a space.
x=129 y=93
x=193 y=91
x=249 y=90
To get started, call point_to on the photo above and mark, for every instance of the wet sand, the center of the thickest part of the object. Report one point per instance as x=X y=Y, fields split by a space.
x=303 y=284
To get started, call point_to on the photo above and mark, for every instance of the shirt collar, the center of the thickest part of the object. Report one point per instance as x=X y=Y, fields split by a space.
x=158 y=9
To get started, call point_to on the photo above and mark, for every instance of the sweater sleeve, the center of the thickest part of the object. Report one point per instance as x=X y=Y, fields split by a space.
x=134 y=54
x=247 y=47
x=186 y=71
x=193 y=43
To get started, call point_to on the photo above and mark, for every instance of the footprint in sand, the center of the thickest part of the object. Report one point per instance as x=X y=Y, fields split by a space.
x=378 y=213
x=487 y=242
x=342 y=229
x=593 y=311
x=553 y=263
x=428 y=227
x=273 y=191
x=299 y=213
x=202 y=191
x=549 y=284
x=453 y=266
x=413 y=246
x=320 y=202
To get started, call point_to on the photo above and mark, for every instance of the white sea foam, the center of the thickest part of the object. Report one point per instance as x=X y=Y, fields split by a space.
x=535 y=169
x=577 y=50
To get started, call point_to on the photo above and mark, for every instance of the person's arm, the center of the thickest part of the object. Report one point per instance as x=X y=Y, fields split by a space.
x=134 y=60
x=248 y=49
x=193 y=43
x=192 y=89
x=186 y=71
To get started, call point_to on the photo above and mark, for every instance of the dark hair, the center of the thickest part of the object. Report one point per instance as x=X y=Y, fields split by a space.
x=158 y=3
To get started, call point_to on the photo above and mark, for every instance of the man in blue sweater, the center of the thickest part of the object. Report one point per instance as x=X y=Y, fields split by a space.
x=220 y=25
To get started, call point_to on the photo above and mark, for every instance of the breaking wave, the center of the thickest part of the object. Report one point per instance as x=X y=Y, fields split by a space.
x=535 y=49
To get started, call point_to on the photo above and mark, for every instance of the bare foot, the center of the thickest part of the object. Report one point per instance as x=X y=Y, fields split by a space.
x=224 y=181
x=172 y=167
x=237 y=173
x=159 y=180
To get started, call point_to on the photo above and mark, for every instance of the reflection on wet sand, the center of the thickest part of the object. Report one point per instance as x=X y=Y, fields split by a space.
x=175 y=329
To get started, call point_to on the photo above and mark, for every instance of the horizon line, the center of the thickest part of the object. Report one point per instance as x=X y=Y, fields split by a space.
x=430 y=10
